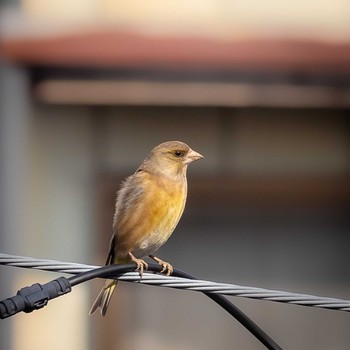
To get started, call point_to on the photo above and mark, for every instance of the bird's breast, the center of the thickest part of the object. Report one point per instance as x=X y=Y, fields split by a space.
x=165 y=211
x=154 y=217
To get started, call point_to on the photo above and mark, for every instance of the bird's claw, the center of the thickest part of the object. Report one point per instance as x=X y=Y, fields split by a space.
x=141 y=265
x=166 y=267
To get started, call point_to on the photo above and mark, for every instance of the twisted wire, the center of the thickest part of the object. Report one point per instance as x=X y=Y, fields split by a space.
x=184 y=283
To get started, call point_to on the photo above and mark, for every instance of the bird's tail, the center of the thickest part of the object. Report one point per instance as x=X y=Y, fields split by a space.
x=104 y=297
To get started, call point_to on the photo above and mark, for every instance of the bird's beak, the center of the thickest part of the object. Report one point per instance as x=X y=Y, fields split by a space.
x=192 y=156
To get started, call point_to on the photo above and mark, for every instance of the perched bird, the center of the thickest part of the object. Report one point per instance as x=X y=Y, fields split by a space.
x=148 y=207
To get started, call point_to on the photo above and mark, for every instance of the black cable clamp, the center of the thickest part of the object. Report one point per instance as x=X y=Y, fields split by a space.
x=34 y=297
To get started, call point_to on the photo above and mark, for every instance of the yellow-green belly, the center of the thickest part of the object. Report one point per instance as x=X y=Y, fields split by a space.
x=153 y=219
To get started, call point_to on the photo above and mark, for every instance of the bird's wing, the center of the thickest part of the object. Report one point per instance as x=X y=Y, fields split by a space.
x=111 y=252
x=129 y=194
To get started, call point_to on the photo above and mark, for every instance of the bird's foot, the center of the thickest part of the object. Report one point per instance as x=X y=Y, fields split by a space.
x=141 y=265
x=166 y=267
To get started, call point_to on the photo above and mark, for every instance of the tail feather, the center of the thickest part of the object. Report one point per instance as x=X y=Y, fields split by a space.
x=104 y=297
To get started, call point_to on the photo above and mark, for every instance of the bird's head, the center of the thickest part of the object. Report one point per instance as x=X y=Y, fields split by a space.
x=171 y=158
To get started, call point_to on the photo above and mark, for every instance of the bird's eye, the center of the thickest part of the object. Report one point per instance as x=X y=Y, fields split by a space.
x=179 y=153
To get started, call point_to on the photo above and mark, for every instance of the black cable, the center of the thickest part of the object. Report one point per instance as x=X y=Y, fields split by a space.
x=114 y=271
x=37 y=296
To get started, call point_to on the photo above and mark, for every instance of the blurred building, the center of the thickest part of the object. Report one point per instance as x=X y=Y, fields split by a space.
x=260 y=89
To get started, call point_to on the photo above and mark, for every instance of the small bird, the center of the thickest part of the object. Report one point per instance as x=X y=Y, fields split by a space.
x=148 y=207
